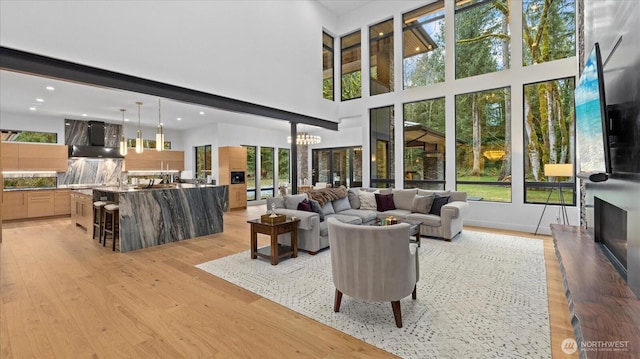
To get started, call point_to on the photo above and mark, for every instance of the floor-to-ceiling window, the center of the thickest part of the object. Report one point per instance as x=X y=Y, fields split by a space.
x=382 y=146
x=251 y=173
x=203 y=161
x=267 y=167
x=284 y=167
x=381 y=57
x=350 y=66
x=424 y=144
x=483 y=148
x=423 y=45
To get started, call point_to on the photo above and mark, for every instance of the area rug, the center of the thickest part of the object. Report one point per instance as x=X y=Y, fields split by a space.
x=480 y=296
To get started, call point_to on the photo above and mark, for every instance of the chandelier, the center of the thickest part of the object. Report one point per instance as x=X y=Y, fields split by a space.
x=303 y=138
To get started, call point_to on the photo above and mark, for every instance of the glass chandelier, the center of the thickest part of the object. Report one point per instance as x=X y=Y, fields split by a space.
x=139 y=141
x=123 y=141
x=303 y=138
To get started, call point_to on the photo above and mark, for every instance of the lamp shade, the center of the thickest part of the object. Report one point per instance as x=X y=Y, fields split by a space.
x=558 y=169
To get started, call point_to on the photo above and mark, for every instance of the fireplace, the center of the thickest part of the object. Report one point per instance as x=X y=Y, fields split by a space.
x=610 y=229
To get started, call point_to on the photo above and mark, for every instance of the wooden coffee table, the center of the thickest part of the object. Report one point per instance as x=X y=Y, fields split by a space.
x=275 y=251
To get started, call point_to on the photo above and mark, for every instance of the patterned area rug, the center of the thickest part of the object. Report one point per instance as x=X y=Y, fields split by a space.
x=481 y=296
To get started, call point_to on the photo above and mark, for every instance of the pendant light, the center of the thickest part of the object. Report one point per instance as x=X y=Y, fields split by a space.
x=123 y=141
x=139 y=141
x=159 y=134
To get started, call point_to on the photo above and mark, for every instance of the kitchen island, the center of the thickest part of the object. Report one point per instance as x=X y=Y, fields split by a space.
x=156 y=216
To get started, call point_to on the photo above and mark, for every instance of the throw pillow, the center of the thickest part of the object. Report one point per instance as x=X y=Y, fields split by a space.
x=354 y=200
x=367 y=200
x=327 y=209
x=421 y=204
x=438 y=202
x=305 y=205
x=315 y=206
x=384 y=202
x=341 y=204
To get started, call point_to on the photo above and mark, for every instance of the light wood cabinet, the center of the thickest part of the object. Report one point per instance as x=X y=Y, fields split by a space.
x=40 y=203
x=82 y=211
x=34 y=157
x=14 y=205
x=152 y=160
x=62 y=202
x=233 y=159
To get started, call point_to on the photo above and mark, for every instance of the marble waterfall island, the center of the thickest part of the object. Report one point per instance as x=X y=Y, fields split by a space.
x=151 y=217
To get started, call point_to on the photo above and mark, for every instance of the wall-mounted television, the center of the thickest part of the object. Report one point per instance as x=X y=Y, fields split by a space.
x=591 y=117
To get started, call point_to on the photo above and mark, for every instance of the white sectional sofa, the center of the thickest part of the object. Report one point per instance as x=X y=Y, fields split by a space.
x=356 y=208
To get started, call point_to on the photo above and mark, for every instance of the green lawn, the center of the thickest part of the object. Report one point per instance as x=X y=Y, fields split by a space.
x=496 y=193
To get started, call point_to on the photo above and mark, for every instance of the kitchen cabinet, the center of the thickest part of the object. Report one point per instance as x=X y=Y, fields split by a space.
x=232 y=170
x=62 y=202
x=152 y=160
x=40 y=203
x=14 y=205
x=34 y=157
x=82 y=211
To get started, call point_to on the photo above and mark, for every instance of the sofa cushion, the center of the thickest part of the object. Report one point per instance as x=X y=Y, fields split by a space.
x=345 y=218
x=384 y=202
x=421 y=204
x=291 y=202
x=367 y=200
x=403 y=198
x=315 y=206
x=398 y=213
x=426 y=192
x=278 y=201
x=430 y=220
x=364 y=214
x=438 y=202
x=341 y=204
x=354 y=200
x=327 y=209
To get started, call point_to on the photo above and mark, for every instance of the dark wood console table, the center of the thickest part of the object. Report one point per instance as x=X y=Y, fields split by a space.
x=605 y=313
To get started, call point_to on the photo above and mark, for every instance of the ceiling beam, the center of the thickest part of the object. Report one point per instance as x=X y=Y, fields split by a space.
x=26 y=62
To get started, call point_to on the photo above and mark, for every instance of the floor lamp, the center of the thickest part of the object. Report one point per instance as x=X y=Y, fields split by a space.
x=557 y=170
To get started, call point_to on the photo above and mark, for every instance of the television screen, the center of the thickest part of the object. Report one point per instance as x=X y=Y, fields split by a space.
x=591 y=120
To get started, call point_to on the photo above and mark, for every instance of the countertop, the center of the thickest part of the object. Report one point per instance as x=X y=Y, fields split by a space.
x=129 y=189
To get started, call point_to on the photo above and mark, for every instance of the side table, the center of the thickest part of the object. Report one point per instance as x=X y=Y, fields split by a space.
x=275 y=251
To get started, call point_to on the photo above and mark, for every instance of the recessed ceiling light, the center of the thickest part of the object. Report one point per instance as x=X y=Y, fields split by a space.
x=84 y=115
x=50 y=88
x=202 y=112
x=39 y=100
x=126 y=120
x=179 y=118
x=67 y=123
x=32 y=108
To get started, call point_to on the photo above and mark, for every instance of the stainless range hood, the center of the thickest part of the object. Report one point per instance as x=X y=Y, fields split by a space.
x=94 y=152
x=96 y=148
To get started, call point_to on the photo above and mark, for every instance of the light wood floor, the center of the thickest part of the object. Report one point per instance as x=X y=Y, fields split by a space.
x=67 y=297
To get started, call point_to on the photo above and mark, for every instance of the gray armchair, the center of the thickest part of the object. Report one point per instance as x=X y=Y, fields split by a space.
x=373 y=263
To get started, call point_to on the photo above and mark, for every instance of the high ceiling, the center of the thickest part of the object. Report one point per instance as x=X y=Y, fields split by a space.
x=339 y=7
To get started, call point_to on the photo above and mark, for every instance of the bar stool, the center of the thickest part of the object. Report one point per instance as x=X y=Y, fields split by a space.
x=98 y=224
x=111 y=224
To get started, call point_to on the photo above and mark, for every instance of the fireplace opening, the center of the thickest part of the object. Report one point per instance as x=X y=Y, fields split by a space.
x=610 y=229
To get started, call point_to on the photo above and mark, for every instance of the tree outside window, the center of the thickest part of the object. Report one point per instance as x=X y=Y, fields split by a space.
x=548 y=30
x=382 y=146
x=203 y=161
x=351 y=81
x=327 y=66
x=251 y=173
x=267 y=179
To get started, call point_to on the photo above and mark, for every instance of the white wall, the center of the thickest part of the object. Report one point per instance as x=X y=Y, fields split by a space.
x=265 y=52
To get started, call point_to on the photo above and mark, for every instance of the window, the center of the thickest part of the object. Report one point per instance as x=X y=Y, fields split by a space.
x=350 y=66
x=424 y=144
x=29 y=136
x=549 y=30
x=327 y=66
x=267 y=166
x=483 y=145
x=382 y=146
x=203 y=161
x=482 y=37
x=549 y=130
x=338 y=166
x=131 y=143
x=423 y=45
x=284 y=166
x=251 y=173
x=381 y=57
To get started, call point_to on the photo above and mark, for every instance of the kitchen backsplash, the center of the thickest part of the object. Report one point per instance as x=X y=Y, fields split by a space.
x=89 y=171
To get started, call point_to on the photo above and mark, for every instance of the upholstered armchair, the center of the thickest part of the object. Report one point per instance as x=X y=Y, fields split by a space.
x=373 y=263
